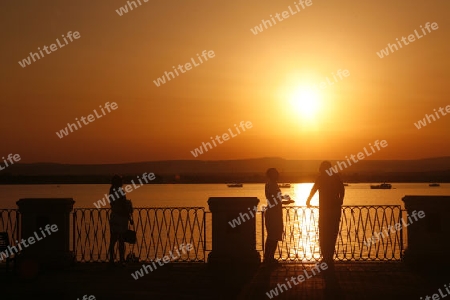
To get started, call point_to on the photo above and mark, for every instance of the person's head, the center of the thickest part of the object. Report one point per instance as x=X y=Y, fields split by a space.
x=272 y=174
x=116 y=181
x=325 y=165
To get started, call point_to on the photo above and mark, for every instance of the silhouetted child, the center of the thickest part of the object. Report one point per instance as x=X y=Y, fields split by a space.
x=273 y=215
x=331 y=196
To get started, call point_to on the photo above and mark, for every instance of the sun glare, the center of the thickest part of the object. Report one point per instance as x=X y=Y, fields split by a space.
x=305 y=101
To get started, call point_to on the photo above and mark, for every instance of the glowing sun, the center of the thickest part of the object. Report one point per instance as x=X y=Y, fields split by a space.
x=306 y=102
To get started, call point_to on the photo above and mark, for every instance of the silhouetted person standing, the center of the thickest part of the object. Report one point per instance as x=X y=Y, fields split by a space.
x=273 y=215
x=118 y=219
x=331 y=196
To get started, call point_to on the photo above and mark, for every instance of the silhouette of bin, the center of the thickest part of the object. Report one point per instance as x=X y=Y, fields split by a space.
x=233 y=244
x=51 y=248
x=427 y=236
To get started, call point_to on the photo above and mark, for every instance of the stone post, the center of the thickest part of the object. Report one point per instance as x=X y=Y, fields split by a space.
x=428 y=236
x=233 y=245
x=51 y=248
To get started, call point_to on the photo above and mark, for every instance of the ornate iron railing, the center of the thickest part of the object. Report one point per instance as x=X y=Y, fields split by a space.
x=10 y=222
x=357 y=227
x=159 y=231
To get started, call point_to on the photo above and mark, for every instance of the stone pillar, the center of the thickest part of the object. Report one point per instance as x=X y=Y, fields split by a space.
x=428 y=236
x=45 y=226
x=233 y=245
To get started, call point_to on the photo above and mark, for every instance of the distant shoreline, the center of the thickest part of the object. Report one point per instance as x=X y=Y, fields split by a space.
x=243 y=171
x=415 y=177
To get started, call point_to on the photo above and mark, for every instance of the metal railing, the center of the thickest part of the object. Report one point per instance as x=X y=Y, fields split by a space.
x=358 y=224
x=10 y=222
x=159 y=231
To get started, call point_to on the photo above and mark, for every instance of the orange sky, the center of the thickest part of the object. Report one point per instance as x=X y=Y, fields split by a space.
x=251 y=78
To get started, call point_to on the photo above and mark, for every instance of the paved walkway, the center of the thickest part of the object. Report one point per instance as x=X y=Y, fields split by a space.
x=354 y=280
x=197 y=281
x=170 y=281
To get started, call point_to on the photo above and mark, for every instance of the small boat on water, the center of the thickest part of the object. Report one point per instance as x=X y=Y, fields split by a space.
x=434 y=184
x=235 y=185
x=383 y=186
x=284 y=185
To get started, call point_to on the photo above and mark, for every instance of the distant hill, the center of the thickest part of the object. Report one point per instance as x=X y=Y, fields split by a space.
x=226 y=166
x=250 y=170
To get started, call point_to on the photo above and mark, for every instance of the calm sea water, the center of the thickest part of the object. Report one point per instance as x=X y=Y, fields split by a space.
x=181 y=195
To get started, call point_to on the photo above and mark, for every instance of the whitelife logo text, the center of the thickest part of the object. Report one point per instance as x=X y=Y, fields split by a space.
x=297 y=280
x=397 y=227
x=188 y=66
x=31 y=240
x=280 y=17
x=10 y=158
x=225 y=136
x=342 y=165
x=432 y=118
x=411 y=38
x=165 y=260
x=128 y=188
x=124 y=9
x=90 y=118
x=27 y=61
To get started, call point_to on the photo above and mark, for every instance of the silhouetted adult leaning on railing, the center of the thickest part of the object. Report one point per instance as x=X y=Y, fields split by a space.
x=331 y=196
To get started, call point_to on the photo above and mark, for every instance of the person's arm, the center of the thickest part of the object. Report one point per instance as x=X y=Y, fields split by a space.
x=341 y=192
x=280 y=196
x=288 y=201
x=311 y=194
x=130 y=215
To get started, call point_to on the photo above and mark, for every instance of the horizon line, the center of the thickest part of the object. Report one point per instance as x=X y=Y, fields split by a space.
x=226 y=160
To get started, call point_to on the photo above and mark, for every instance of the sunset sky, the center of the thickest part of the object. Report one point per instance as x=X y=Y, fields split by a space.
x=254 y=78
